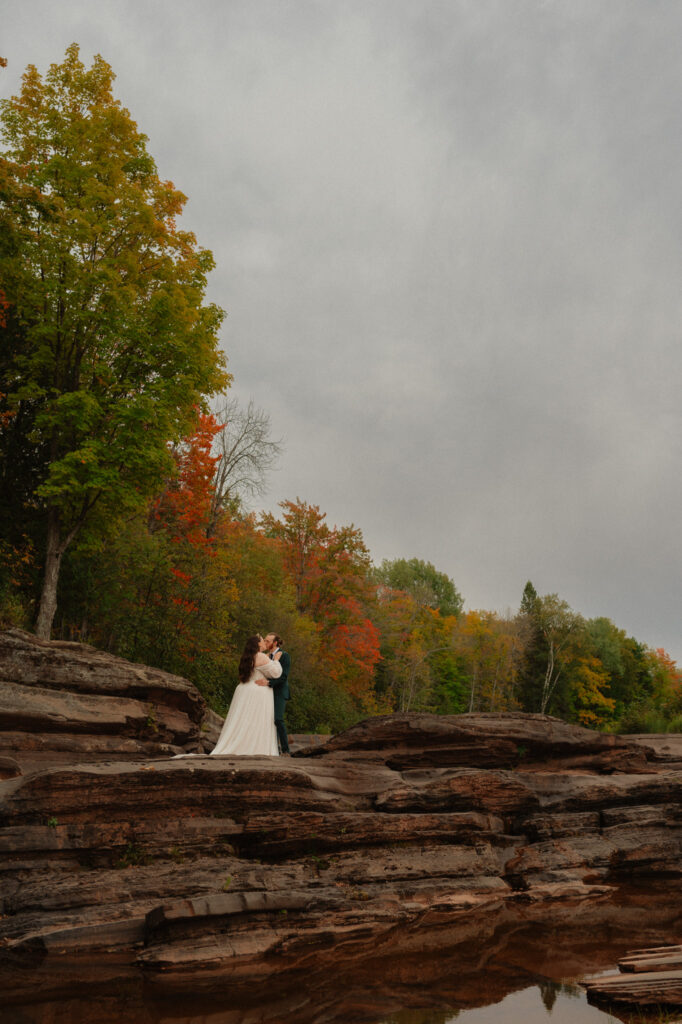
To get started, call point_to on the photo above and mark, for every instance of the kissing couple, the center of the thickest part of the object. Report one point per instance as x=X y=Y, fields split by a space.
x=255 y=721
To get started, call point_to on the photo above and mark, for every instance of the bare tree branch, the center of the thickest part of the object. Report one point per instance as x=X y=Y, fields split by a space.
x=247 y=455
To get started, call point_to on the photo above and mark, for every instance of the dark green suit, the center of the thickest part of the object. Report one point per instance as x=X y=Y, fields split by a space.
x=280 y=689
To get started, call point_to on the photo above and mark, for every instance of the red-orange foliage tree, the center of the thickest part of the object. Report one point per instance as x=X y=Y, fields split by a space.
x=183 y=513
x=329 y=569
x=184 y=508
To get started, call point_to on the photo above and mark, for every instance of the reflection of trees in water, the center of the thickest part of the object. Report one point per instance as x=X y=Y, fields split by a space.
x=549 y=990
x=548 y=994
x=472 y=962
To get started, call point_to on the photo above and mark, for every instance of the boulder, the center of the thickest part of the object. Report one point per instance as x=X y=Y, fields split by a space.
x=510 y=740
x=68 y=703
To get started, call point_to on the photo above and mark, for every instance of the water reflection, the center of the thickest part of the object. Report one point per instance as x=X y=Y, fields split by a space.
x=509 y=964
x=560 y=1003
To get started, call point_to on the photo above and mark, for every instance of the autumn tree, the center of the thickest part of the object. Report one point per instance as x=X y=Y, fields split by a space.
x=416 y=613
x=569 y=665
x=116 y=347
x=491 y=650
x=303 y=536
x=185 y=505
x=417 y=671
x=329 y=568
x=659 y=709
x=587 y=691
x=156 y=592
x=424 y=582
x=624 y=660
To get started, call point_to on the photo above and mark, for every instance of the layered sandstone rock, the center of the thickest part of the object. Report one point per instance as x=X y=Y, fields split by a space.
x=64 y=703
x=407 y=833
x=649 y=978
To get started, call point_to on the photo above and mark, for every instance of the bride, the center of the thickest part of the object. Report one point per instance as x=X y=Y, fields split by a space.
x=250 y=724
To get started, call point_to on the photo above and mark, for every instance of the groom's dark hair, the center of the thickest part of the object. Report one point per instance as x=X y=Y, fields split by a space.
x=277 y=639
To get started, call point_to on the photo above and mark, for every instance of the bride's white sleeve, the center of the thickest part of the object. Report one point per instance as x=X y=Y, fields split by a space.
x=271 y=669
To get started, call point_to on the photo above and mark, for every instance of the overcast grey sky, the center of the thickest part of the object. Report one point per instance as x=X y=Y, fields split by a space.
x=448 y=241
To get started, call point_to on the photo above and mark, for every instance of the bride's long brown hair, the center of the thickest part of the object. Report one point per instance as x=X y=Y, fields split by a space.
x=248 y=658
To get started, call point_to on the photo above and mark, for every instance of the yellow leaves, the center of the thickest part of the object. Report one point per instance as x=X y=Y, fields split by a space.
x=589 y=682
x=490 y=648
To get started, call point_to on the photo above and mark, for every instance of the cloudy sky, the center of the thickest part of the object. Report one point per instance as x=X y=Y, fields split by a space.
x=448 y=242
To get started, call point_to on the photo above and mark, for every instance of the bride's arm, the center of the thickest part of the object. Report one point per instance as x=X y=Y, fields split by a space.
x=271 y=669
x=266 y=669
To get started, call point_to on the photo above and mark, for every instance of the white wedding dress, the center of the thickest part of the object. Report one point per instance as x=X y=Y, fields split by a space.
x=250 y=724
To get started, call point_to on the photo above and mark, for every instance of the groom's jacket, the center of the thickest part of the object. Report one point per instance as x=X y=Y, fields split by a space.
x=281 y=685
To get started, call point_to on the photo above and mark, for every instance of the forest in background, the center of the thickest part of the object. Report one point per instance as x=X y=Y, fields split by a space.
x=126 y=475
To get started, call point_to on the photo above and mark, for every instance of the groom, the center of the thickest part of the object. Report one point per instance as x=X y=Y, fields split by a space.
x=273 y=646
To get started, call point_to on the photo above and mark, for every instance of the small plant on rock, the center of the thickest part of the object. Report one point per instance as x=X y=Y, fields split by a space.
x=134 y=856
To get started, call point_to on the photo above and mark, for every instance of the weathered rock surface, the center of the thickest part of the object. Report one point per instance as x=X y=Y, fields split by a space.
x=664 y=748
x=649 y=979
x=64 y=703
x=511 y=740
x=405 y=834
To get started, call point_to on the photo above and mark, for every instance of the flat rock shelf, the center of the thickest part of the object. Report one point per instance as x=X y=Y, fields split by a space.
x=405 y=837
x=648 y=979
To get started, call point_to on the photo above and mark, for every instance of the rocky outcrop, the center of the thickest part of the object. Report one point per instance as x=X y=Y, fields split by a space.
x=650 y=979
x=406 y=834
x=64 y=703
x=512 y=741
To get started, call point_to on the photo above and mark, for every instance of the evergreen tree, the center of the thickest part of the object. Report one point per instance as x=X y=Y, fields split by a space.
x=534 y=658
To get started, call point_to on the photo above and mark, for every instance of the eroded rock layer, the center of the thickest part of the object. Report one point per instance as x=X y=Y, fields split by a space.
x=407 y=834
x=67 y=703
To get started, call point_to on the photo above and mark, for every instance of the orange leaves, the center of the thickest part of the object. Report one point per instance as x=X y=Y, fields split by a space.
x=18 y=563
x=185 y=506
x=352 y=642
x=328 y=567
x=324 y=563
x=182 y=513
x=7 y=414
x=666 y=676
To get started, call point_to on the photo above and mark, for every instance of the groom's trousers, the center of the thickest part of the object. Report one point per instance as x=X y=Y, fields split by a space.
x=280 y=708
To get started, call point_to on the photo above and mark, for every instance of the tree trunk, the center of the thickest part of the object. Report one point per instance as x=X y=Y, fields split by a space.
x=550 y=679
x=53 y=561
x=474 y=679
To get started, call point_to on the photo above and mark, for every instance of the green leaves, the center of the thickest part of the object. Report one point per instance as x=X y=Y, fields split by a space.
x=423 y=581
x=117 y=347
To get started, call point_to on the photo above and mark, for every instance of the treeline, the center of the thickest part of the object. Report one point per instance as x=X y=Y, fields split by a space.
x=123 y=499
x=181 y=583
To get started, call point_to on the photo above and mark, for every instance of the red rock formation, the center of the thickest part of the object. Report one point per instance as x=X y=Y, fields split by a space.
x=66 y=703
x=649 y=979
x=405 y=834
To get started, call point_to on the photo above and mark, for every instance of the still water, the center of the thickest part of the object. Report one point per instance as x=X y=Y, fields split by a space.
x=513 y=965
x=546 y=1003
x=555 y=1002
